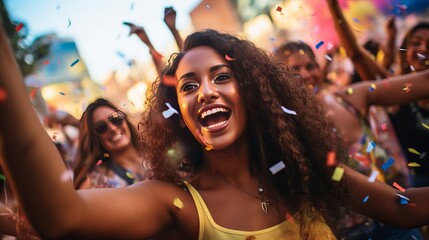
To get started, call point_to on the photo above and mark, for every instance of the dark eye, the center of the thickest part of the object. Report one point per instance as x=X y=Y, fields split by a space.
x=310 y=66
x=222 y=77
x=188 y=87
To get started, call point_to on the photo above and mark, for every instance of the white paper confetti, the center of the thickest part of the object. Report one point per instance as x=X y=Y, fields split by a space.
x=277 y=167
x=169 y=112
x=288 y=111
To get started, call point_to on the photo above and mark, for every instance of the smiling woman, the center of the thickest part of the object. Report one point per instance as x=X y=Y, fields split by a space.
x=227 y=191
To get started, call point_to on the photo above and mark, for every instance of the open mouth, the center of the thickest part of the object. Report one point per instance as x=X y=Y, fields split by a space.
x=214 y=117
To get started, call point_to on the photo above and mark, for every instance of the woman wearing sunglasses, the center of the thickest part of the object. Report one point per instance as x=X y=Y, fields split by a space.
x=108 y=153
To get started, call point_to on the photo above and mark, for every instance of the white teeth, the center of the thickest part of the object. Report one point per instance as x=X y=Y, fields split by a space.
x=116 y=137
x=216 y=124
x=212 y=111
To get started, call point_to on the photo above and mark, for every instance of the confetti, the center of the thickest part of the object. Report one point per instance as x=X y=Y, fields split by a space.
x=331 y=158
x=421 y=57
x=412 y=150
x=319 y=44
x=279 y=9
x=387 y=164
x=350 y=91
x=277 y=167
x=46 y=62
x=3 y=95
x=99 y=162
x=383 y=126
x=207 y=6
x=422 y=155
x=372 y=87
x=396 y=185
x=228 y=58
x=365 y=199
x=288 y=111
x=169 y=112
x=129 y=174
x=33 y=92
x=208 y=147
x=301 y=52
x=178 y=203
x=106 y=155
x=328 y=57
x=74 y=63
x=373 y=176
x=2 y=177
x=338 y=174
x=403 y=50
x=19 y=27
x=413 y=164
x=169 y=80
x=407 y=87
x=356 y=20
x=62 y=93
x=412 y=68
x=370 y=146
x=69 y=23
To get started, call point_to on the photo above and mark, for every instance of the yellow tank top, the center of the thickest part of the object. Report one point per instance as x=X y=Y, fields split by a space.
x=209 y=229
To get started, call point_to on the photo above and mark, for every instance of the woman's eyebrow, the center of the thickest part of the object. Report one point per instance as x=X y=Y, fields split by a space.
x=186 y=75
x=216 y=67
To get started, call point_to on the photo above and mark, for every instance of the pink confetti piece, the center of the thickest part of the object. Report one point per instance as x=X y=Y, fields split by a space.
x=396 y=185
x=19 y=27
x=200 y=136
x=383 y=126
x=228 y=58
x=99 y=162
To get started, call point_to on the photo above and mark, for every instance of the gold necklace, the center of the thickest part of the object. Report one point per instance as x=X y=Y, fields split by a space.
x=264 y=203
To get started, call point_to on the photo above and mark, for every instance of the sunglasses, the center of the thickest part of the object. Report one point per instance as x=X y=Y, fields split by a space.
x=115 y=118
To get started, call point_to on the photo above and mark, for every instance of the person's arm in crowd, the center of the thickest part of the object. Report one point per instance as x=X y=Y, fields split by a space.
x=170 y=21
x=383 y=202
x=366 y=66
x=389 y=49
x=141 y=33
x=395 y=90
x=37 y=176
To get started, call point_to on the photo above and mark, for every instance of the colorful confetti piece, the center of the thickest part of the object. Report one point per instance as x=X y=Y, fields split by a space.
x=423 y=124
x=67 y=176
x=46 y=62
x=387 y=164
x=328 y=57
x=350 y=91
x=289 y=218
x=169 y=81
x=373 y=176
x=370 y=146
x=413 y=164
x=291 y=112
x=396 y=185
x=402 y=199
x=331 y=159
x=228 y=58
x=208 y=147
x=356 y=20
x=365 y=199
x=178 y=203
x=19 y=27
x=319 y=44
x=383 y=126
x=69 y=23
x=279 y=9
x=169 y=112
x=62 y=93
x=106 y=155
x=129 y=174
x=412 y=150
x=338 y=174
x=277 y=167
x=372 y=87
x=74 y=63
x=407 y=87
x=3 y=95
x=2 y=177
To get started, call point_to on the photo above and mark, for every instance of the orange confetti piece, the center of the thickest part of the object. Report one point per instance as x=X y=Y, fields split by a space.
x=3 y=95
x=33 y=92
x=331 y=158
x=228 y=58
x=99 y=162
x=169 y=80
x=396 y=185
x=19 y=27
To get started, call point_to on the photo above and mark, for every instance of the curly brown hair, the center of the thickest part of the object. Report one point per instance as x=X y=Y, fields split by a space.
x=90 y=149
x=301 y=141
x=404 y=65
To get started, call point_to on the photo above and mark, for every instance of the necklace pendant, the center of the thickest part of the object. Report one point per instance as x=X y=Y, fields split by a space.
x=264 y=205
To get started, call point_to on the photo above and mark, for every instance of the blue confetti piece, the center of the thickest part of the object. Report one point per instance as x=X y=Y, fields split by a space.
x=387 y=164
x=356 y=20
x=319 y=44
x=74 y=63
x=370 y=146
x=404 y=201
x=365 y=199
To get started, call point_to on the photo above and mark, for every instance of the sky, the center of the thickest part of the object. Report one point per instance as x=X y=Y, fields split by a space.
x=96 y=26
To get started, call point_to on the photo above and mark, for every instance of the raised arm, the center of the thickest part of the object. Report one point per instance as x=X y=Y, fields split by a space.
x=170 y=21
x=38 y=176
x=395 y=90
x=365 y=65
x=141 y=33
x=389 y=48
x=383 y=203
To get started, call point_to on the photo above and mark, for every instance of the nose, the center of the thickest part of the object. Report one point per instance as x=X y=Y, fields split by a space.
x=111 y=126
x=207 y=91
x=304 y=73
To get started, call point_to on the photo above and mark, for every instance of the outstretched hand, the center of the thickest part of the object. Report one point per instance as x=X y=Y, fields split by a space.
x=390 y=26
x=170 y=17
x=139 y=31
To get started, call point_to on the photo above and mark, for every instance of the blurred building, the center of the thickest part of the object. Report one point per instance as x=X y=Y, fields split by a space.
x=61 y=75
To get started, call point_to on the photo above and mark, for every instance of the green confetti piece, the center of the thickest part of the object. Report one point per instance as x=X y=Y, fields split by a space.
x=338 y=174
x=2 y=177
x=425 y=125
x=412 y=150
x=413 y=164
